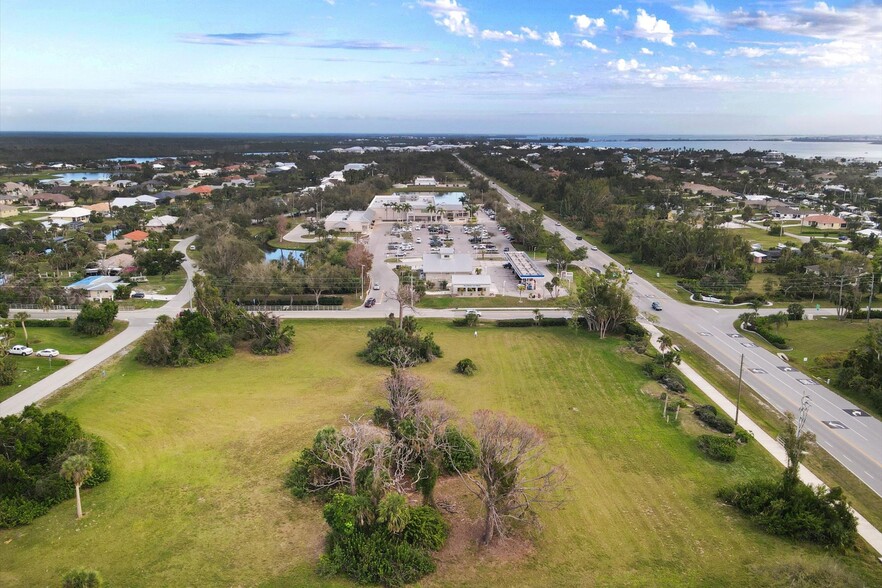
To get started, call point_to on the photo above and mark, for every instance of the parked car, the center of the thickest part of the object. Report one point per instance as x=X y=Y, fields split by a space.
x=138 y=295
x=47 y=353
x=20 y=350
x=656 y=306
x=629 y=271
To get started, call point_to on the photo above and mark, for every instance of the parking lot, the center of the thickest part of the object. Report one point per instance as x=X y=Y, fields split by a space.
x=409 y=246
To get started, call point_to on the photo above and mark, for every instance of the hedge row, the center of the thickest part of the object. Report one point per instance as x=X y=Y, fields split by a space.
x=60 y=322
x=528 y=322
x=862 y=314
x=298 y=301
x=708 y=415
x=772 y=337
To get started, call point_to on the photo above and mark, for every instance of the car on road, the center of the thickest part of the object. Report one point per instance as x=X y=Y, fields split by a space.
x=656 y=306
x=370 y=302
x=472 y=311
x=138 y=295
x=376 y=286
x=594 y=248
x=418 y=240
x=47 y=353
x=192 y=248
x=20 y=350
x=578 y=237
x=557 y=224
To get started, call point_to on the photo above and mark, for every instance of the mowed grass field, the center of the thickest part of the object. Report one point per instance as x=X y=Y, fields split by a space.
x=64 y=339
x=196 y=497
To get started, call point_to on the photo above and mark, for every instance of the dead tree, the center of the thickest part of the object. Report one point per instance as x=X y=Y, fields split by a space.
x=507 y=481
x=406 y=296
x=350 y=451
x=404 y=391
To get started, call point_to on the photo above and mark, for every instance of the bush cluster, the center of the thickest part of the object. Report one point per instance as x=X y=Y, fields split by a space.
x=299 y=301
x=466 y=367
x=8 y=371
x=528 y=322
x=95 y=318
x=665 y=376
x=388 y=544
x=59 y=322
x=819 y=515
x=707 y=414
x=461 y=454
x=718 y=448
x=769 y=335
x=35 y=444
x=388 y=345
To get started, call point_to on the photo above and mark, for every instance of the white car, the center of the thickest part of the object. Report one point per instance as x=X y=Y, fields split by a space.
x=557 y=224
x=20 y=350
x=594 y=248
x=376 y=286
x=47 y=353
x=470 y=311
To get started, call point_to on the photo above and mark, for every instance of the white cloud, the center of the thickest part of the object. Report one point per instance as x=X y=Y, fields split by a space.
x=701 y=11
x=587 y=25
x=553 y=39
x=645 y=51
x=450 y=15
x=586 y=44
x=505 y=59
x=622 y=65
x=749 y=52
x=619 y=11
x=501 y=36
x=833 y=54
x=653 y=29
x=531 y=34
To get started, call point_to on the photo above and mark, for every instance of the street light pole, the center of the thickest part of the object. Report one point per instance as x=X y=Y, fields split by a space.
x=361 y=296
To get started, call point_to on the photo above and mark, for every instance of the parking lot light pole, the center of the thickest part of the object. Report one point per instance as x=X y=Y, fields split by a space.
x=361 y=296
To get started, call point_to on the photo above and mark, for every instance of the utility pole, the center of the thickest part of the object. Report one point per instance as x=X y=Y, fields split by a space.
x=839 y=306
x=411 y=290
x=870 y=299
x=738 y=398
x=362 y=282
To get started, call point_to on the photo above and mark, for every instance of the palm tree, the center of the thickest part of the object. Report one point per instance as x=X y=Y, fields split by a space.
x=77 y=469
x=7 y=334
x=665 y=343
x=432 y=209
x=406 y=208
x=21 y=317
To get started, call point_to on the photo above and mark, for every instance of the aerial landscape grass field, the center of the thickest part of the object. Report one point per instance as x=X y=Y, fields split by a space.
x=198 y=456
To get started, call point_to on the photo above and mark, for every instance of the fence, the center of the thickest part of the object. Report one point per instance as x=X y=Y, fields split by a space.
x=279 y=308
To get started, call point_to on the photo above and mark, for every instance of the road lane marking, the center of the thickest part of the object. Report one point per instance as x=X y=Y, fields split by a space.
x=835 y=425
x=856 y=412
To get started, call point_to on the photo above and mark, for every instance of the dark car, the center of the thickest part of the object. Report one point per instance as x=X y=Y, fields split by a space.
x=578 y=237
x=656 y=306
x=370 y=302
x=138 y=295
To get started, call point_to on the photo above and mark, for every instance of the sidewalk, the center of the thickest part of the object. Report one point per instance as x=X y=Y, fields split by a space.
x=867 y=531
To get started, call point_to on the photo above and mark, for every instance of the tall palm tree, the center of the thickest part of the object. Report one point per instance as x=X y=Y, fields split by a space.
x=665 y=343
x=77 y=469
x=7 y=334
x=21 y=317
x=432 y=209
x=406 y=207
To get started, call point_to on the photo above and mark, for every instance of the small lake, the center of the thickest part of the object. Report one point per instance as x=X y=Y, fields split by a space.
x=135 y=159
x=81 y=176
x=284 y=254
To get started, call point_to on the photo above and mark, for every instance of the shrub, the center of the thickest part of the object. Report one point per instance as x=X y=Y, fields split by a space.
x=375 y=558
x=388 y=345
x=18 y=511
x=4 y=310
x=81 y=578
x=718 y=448
x=426 y=529
x=461 y=454
x=830 y=360
x=309 y=474
x=673 y=382
x=743 y=437
x=95 y=318
x=8 y=371
x=466 y=367
x=771 y=336
x=529 y=322
x=818 y=515
x=59 y=322
x=795 y=312
x=708 y=415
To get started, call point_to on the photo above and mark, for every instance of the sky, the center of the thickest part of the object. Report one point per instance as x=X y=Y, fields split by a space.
x=583 y=68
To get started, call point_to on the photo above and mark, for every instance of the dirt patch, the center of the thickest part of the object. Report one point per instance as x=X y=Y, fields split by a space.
x=463 y=512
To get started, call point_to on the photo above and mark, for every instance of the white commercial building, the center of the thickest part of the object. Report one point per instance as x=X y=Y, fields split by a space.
x=350 y=221
x=446 y=264
x=425 y=181
x=419 y=206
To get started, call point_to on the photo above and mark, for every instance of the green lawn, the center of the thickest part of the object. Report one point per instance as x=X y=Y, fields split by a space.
x=754 y=235
x=64 y=339
x=31 y=370
x=170 y=284
x=198 y=454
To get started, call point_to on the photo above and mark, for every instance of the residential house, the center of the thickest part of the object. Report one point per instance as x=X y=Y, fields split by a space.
x=125 y=202
x=69 y=215
x=97 y=287
x=425 y=181
x=135 y=237
x=7 y=211
x=823 y=221
x=51 y=199
x=159 y=223
x=101 y=208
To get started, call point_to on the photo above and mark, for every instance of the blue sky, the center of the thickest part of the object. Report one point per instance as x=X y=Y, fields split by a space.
x=442 y=66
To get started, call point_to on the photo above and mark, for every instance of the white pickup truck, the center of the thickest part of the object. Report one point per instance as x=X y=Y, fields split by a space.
x=20 y=350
